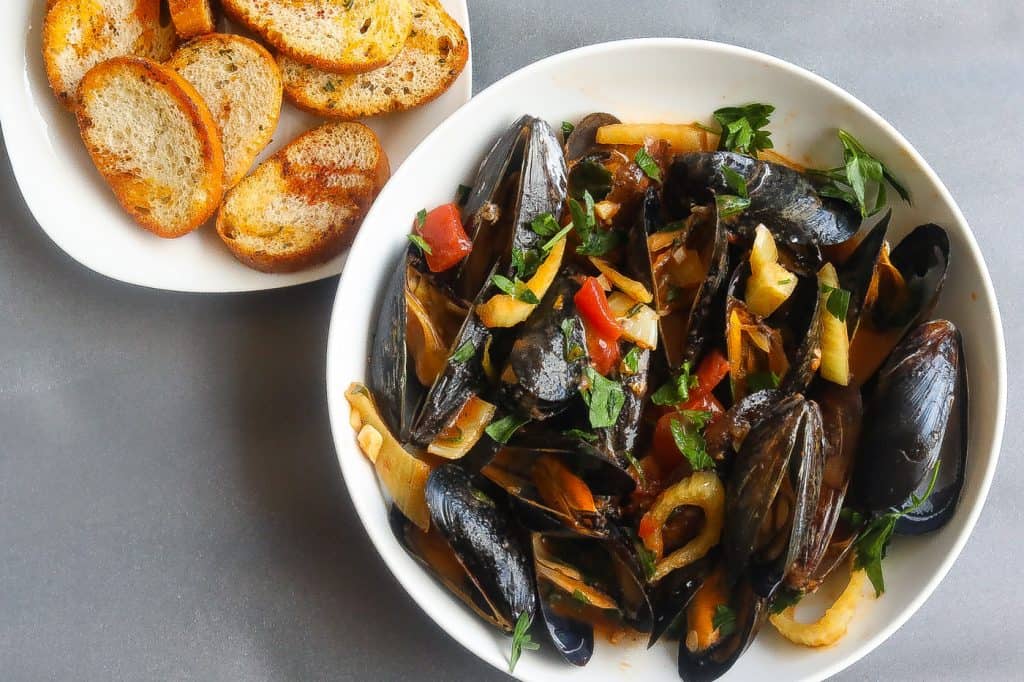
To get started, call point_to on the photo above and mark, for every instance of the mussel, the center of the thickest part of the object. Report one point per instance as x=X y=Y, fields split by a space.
x=772 y=494
x=582 y=141
x=583 y=580
x=780 y=197
x=911 y=427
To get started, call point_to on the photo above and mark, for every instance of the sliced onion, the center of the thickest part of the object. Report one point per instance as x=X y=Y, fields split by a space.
x=459 y=438
x=502 y=310
x=639 y=322
x=702 y=489
x=832 y=626
x=631 y=287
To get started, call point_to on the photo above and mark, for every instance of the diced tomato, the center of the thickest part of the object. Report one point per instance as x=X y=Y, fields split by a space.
x=704 y=402
x=604 y=354
x=443 y=232
x=593 y=306
x=710 y=372
x=647 y=528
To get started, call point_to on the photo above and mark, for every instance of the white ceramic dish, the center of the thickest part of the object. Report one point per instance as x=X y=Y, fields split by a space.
x=674 y=80
x=71 y=202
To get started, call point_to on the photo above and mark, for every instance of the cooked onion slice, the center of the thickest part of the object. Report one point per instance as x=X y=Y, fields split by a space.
x=835 y=344
x=502 y=310
x=459 y=438
x=402 y=474
x=639 y=322
x=769 y=284
x=635 y=289
x=702 y=489
x=831 y=627
x=684 y=137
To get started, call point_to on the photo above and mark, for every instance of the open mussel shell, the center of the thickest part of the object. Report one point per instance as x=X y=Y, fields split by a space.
x=397 y=393
x=546 y=362
x=622 y=437
x=772 y=494
x=704 y=665
x=523 y=176
x=856 y=272
x=907 y=425
x=583 y=580
x=780 y=197
x=725 y=436
x=486 y=544
x=582 y=141
x=671 y=595
x=538 y=478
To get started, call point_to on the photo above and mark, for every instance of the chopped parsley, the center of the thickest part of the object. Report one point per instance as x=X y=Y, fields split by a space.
x=742 y=128
x=647 y=164
x=590 y=176
x=465 y=352
x=502 y=429
x=838 y=301
x=567 y=129
x=545 y=225
x=573 y=351
x=550 y=244
x=521 y=639
x=580 y=597
x=859 y=178
x=604 y=397
x=759 y=381
x=733 y=204
x=784 y=598
x=687 y=436
x=421 y=218
x=516 y=288
x=525 y=263
x=677 y=389
x=724 y=620
x=593 y=241
x=631 y=361
x=581 y=434
x=421 y=243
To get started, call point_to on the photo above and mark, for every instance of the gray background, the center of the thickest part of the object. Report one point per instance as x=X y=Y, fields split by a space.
x=170 y=504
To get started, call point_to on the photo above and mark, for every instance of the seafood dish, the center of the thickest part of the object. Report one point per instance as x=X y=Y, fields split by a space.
x=658 y=381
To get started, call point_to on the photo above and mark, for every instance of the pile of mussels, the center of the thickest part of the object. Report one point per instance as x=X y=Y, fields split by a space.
x=539 y=523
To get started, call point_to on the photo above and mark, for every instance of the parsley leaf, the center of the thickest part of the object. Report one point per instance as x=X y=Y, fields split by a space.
x=691 y=443
x=631 y=361
x=525 y=263
x=580 y=597
x=860 y=177
x=677 y=389
x=515 y=288
x=838 y=301
x=590 y=176
x=545 y=225
x=742 y=128
x=604 y=397
x=593 y=242
x=421 y=243
x=462 y=194
x=421 y=218
x=465 y=352
x=724 y=620
x=736 y=182
x=759 y=381
x=567 y=129
x=783 y=599
x=730 y=204
x=647 y=164
x=573 y=350
x=502 y=429
x=581 y=434
x=872 y=542
x=521 y=639
x=550 y=244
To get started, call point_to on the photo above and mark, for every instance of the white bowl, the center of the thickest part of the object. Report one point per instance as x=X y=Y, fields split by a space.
x=679 y=81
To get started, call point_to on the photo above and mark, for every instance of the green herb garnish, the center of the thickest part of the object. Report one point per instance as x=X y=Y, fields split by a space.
x=646 y=557
x=545 y=225
x=873 y=541
x=581 y=434
x=521 y=639
x=580 y=597
x=421 y=218
x=838 y=301
x=739 y=201
x=465 y=352
x=647 y=164
x=742 y=128
x=573 y=351
x=567 y=129
x=677 y=389
x=525 y=263
x=691 y=443
x=636 y=465
x=860 y=177
x=783 y=282
x=724 y=620
x=481 y=496
x=593 y=242
x=421 y=243
x=631 y=361
x=550 y=244
x=516 y=288
x=784 y=598
x=502 y=429
x=604 y=397
x=590 y=176
x=759 y=381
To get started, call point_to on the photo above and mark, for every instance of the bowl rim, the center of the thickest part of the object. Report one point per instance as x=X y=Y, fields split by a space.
x=335 y=392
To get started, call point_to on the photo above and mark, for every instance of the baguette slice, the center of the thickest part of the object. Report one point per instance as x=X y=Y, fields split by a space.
x=344 y=36
x=241 y=85
x=304 y=205
x=152 y=137
x=433 y=57
x=192 y=17
x=79 y=34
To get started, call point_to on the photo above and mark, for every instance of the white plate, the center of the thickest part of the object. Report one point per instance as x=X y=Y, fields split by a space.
x=73 y=204
x=674 y=80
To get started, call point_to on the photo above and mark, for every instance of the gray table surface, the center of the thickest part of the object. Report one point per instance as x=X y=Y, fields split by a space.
x=170 y=503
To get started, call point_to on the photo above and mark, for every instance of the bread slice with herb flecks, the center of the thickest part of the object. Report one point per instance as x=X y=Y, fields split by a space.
x=344 y=36
x=304 y=204
x=433 y=57
x=241 y=85
x=154 y=140
x=79 y=34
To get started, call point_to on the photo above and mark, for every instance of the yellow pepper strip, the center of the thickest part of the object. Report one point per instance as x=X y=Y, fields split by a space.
x=684 y=137
x=631 y=287
x=702 y=489
x=403 y=475
x=502 y=310
x=835 y=344
x=831 y=627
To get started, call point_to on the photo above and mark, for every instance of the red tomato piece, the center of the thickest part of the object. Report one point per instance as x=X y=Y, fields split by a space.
x=443 y=232
x=710 y=372
x=604 y=354
x=593 y=306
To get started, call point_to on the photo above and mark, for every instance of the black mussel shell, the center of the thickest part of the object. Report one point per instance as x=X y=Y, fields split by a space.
x=857 y=270
x=922 y=257
x=671 y=595
x=483 y=538
x=725 y=436
x=546 y=364
x=780 y=197
x=583 y=139
x=621 y=438
x=907 y=423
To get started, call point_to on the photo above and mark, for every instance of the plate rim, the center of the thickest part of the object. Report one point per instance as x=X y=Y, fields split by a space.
x=341 y=429
x=17 y=72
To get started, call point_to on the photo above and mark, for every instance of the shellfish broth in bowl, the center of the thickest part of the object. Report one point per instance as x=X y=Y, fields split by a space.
x=493 y=323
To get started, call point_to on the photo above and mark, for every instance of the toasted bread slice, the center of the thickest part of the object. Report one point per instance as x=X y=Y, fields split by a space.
x=433 y=57
x=344 y=36
x=192 y=17
x=241 y=85
x=154 y=140
x=303 y=205
x=79 y=34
